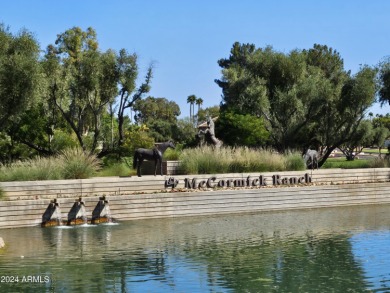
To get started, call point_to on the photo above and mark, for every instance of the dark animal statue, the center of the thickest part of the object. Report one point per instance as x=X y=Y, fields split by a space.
x=154 y=154
x=209 y=134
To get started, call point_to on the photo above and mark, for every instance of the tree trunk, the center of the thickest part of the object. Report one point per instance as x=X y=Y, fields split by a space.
x=326 y=156
x=120 y=129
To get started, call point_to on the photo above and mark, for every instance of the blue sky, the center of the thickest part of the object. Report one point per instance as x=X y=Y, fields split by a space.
x=185 y=39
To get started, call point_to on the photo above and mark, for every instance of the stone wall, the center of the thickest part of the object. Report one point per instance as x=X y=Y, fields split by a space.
x=133 y=198
x=169 y=168
x=110 y=186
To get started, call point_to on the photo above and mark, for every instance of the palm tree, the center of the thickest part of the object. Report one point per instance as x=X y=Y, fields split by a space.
x=199 y=102
x=191 y=100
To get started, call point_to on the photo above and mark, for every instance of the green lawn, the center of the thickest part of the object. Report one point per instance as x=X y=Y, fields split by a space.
x=343 y=163
x=374 y=151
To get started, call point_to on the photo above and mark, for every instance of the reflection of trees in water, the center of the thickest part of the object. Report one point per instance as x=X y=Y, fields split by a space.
x=290 y=265
x=242 y=253
x=259 y=264
x=103 y=270
x=305 y=264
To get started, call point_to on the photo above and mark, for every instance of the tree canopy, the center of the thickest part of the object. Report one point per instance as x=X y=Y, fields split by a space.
x=305 y=97
x=20 y=79
x=82 y=81
x=152 y=108
x=77 y=94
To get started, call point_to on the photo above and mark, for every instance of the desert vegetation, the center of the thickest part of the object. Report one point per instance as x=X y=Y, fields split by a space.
x=72 y=163
x=207 y=160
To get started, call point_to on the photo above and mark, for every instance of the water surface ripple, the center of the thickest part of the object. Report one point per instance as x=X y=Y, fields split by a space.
x=320 y=250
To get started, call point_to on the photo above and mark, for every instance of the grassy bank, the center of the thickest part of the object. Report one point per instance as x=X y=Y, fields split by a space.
x=344 y=164
x=75 y=164
x=356 y=164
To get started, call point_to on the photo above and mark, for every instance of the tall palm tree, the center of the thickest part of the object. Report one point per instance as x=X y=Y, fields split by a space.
x=191 y=100
x=199 y=102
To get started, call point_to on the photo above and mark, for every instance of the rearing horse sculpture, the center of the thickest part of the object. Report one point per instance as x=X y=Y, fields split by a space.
x=151 y=154
x=209 y=134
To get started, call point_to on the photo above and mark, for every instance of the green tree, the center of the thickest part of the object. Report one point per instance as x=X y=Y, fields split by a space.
x=384 y=79
x=278 y=87
x=129 y=93
x=341 y=116
x=20 y=75
x=82 y=82
x=11 y=149
x=241 y=130
x=159 y=115
x=362 y=137
x=191 y=100
x=381 y=120
x=136 y=137
x=305 y=97
x=152 y=109
x=380 y=135
x=199 y=103
x=183 y=132
x=209 y=111
x=381 y=125
x=33 y=130
x=160 y=130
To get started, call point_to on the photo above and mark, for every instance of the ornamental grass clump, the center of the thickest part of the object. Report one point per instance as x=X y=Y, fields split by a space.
x=117 y=169
x=204 y=160
x=213 y=161
x=208 y=160
x=294 y=162
x=76 y=164
x=262 y=160
x=32 y=169
x=70 y=164
x=379 y=163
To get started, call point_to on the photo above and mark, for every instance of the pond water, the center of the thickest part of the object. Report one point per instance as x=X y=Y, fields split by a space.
x=322 y=250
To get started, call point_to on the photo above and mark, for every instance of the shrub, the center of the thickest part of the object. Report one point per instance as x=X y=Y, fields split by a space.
x=76 y=164
x=136 y=138
x=294 y=162
x=173 y=154
x=117 y=169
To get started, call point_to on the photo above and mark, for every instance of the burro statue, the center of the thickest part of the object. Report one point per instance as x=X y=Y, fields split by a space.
x=208 y=135
x=312 y=157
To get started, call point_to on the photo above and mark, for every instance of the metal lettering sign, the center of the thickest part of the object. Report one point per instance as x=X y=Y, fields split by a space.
x=260 y=181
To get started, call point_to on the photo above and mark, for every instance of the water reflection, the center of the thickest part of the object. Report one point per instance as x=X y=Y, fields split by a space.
x=372 y=250
x=325 y=250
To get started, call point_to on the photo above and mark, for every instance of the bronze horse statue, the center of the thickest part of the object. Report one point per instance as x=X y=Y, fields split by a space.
x=154 y=154
x=209 y=134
